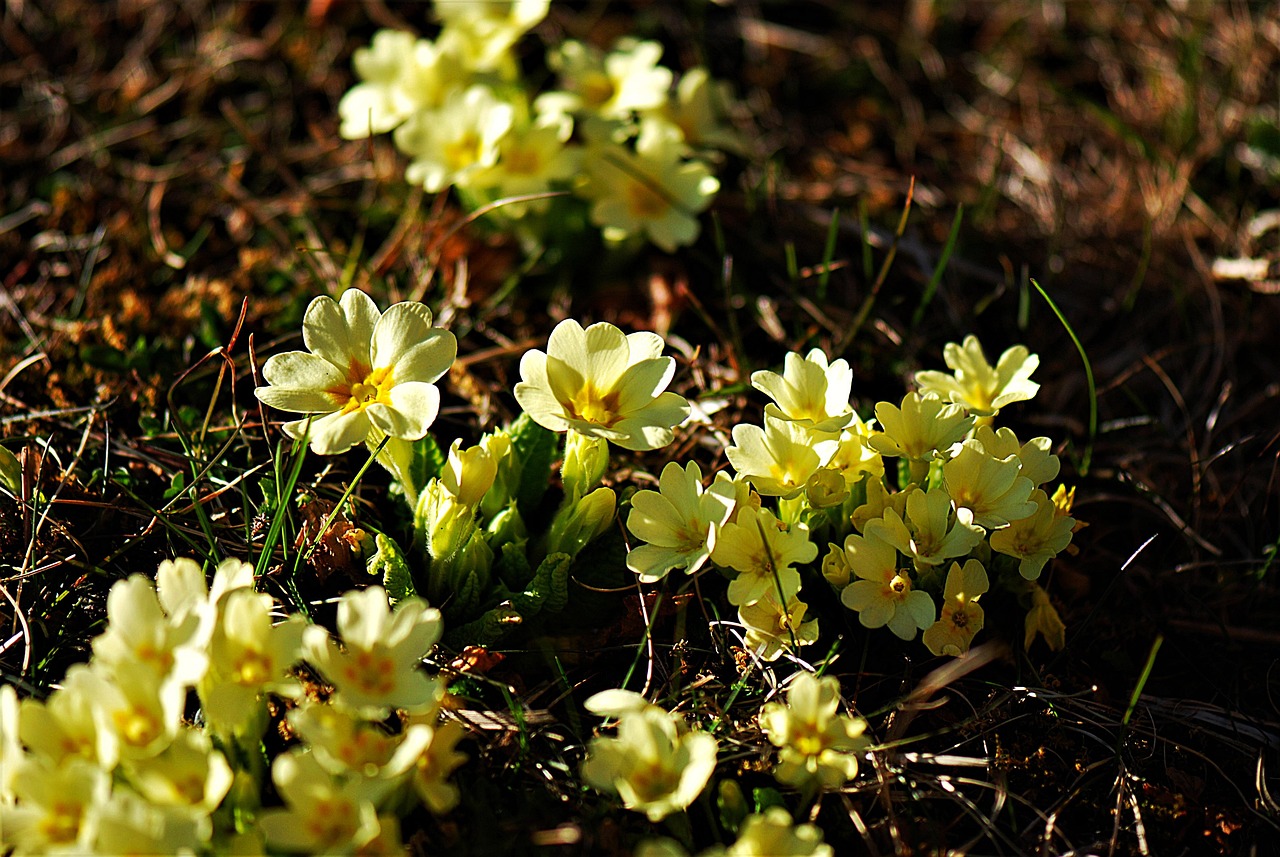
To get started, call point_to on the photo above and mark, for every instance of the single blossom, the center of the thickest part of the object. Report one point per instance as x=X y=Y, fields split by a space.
x=779 y=458
x=920 y=428
x=817 y=745
x=653 y=191
x=612 y=85
x=810 y=391
x=655 y=764
x=366 y=374
x=322 y=814
x=679 y=522
x=602 y=383
x=1037 y=538
x=993 y=489
x=772 y=628
x=882 y=594
x=962 y=615
x=376 y=668
x=978 y=386
x=762 y=550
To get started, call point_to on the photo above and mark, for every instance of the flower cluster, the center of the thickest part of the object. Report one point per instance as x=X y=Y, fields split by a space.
x=616 y=133
x=109 y=764
x=911 y=547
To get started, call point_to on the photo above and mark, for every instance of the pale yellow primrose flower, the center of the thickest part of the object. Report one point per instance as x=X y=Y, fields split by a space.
x=679 y=521
x=368 y=374
x=137 y=714
x=780 y=458
x=809 y=391
x=53 y=801
x=249 y=656
x=468 y=473
x=757 y=545
x=602 y=383
x=126 y=823
x=344 y=744
x=920 y=428
x=530 y=160
x=188 y=774
x=437 y=763
x=879 y=499
x=1036 y=539
x=1043 y=619
x=1038 y=463
x=882 y=594
x=763 y=834
x=456 y=143
x=976 y=385
x=653 y=191
x=322 y=815
x=933 y=530
x=628 y=79
x=818 y=747
x=376 y=668
x=962 y=615
x=772 y=834
x=993 y=489
x=490 y=27
x=698 y=109
x=63 y=726
x=855 y=457
x=654 y=764
x=400 y=75
x=771 y=628
x=142 y=638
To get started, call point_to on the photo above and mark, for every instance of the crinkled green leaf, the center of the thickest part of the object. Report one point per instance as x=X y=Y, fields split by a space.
x=389 y=564
x=428 y=461
x=536 y=447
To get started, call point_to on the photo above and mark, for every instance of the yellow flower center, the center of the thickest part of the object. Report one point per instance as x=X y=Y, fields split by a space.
x=61 y=823
x=159 y=657
x=597 y=89
x=595 y=407
x=332 y=822
x=959 y=619
x=137 y=726
x=464 y=151
x=371 y=673
x=374 y=388
x=645 y=202
x=654 y=781
x=251 y=668
x=522 y=160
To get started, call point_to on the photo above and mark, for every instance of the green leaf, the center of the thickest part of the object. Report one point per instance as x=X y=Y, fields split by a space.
x=389 y=564
x=766 y=797
x=513 y=566
x=10 y=472
x=536 y=449
x=428 y=461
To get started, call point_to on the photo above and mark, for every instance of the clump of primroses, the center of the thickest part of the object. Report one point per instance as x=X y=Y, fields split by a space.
x=908 y=518
x=922 y=509
x=614 y=134
x=112 y=762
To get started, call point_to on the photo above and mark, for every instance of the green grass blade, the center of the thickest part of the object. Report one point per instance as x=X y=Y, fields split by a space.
x=931 y=287
x=1087 y=456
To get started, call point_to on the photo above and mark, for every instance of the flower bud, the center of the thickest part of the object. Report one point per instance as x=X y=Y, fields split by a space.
x=575 y=526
